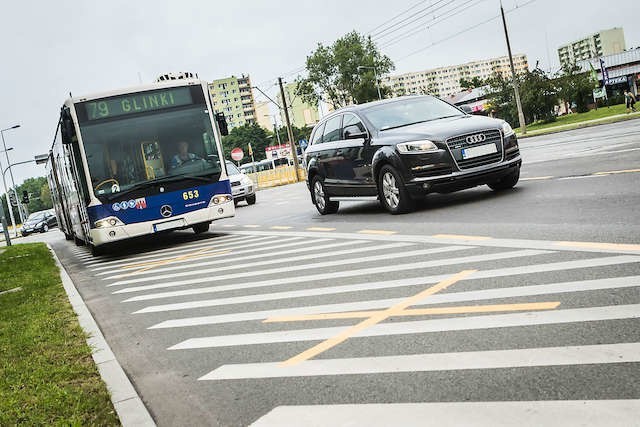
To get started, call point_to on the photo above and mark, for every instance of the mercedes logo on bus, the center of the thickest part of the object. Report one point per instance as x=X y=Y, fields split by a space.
x=474 y=139
x=166 y=211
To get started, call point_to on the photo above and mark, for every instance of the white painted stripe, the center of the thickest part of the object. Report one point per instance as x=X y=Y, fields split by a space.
x=590 y=314
x=259 y=242
x=291 y=261
x=309 y=278
x=548 y=413
x=328 y=290
x=176 y=249
x=234 y=256
x=492 y=242
x=519 y=291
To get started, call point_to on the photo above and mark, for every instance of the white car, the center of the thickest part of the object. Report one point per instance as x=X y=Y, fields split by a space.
x=242 y=187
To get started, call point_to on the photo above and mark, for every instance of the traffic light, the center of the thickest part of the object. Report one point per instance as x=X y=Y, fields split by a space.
x=25 y=198
x=12 y=198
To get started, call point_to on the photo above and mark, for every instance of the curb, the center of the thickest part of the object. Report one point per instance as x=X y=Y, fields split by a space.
x=126 y=401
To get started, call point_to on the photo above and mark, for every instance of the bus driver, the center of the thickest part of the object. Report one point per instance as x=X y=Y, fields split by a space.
x=183 y=155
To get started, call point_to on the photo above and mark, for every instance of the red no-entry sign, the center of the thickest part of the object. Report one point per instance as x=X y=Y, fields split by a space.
x=237 y=154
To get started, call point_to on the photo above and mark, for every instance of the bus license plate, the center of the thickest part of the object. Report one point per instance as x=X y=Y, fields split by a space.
x=481 y=150
x=168 y=225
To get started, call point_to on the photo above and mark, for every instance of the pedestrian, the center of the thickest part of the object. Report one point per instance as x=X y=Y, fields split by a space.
x=630 y=101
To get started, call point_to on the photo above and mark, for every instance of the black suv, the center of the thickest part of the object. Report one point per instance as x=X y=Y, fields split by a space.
x=400 y=149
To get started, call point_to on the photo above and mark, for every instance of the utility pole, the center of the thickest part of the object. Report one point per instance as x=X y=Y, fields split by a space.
x=292 y=144
x=523 y=125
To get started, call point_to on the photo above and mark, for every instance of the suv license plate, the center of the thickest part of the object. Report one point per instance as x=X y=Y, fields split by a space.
x=481 y=150
x=168 y=225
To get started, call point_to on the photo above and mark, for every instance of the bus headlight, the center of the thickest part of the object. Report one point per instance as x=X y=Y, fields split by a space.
x=220 y=198
x=110 y=221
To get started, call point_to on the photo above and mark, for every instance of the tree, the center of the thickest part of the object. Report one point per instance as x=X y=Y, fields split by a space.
x=576 y=87
x=537 y=93
x=241 y=136
x=472 y=83
x=332 y=72
x=45 y=196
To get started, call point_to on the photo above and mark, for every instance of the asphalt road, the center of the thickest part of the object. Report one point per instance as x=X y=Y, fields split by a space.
x=543 y=331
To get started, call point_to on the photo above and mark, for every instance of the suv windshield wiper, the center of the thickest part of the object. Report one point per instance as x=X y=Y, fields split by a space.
x=164 y=179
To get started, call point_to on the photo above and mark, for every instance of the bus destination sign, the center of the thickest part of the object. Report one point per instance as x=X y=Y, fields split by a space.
x=138 y=103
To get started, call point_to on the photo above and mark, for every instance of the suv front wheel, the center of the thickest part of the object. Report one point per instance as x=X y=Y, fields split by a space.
x=393 y=193
x=321 y=198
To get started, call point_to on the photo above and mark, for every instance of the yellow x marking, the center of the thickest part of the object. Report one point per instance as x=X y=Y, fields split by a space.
x=400 y=309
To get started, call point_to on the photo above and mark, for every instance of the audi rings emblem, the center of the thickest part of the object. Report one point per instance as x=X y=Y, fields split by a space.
x=474 y=139
x=166 y=211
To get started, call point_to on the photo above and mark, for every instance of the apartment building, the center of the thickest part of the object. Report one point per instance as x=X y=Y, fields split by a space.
x=233 y=96
x=605 y=42
x=445 y=81
x=301 y=114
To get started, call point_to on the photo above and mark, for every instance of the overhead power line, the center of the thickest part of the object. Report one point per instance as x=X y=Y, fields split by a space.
x=427 y=25
x=403 y=23
x=397 y=16
x=464 y=31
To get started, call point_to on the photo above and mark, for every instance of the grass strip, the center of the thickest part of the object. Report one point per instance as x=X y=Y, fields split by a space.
x=47 y=374
x=602 y=115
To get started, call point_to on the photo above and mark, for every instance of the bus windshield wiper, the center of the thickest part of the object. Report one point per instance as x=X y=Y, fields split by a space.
x=160 y=180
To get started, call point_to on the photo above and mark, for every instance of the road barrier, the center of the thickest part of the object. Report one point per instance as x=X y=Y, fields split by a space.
x=278 y=176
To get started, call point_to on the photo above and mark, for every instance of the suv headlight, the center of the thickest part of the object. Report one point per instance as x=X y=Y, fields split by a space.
x=506 y=129
x=110 y=221
x=417 y=147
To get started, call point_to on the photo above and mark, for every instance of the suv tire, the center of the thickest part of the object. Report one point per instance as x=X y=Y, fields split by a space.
x=251 y=200
x=321 y=198
x=392 y=192
x=507 y=182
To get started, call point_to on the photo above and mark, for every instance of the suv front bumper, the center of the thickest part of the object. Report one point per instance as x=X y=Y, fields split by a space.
x=461 y=180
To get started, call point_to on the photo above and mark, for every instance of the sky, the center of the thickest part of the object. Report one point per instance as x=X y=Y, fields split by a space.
x=50 y=49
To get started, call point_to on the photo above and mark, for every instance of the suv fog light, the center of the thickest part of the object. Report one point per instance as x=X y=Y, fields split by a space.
x=426 y=186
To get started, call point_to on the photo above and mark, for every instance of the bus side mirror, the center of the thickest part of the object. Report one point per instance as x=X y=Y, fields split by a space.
x=66 y=126
x=222 y=124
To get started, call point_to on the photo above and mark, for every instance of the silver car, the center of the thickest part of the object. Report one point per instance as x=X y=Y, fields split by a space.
x=242 y=187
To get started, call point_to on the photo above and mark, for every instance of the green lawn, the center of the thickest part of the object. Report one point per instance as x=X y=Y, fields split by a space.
x=47 y=375
x=577 y=118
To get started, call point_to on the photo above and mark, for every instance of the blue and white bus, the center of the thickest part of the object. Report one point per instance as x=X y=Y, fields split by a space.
x=138 y=161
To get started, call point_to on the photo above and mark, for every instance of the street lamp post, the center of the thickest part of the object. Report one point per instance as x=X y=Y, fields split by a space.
x=13 y=184
x=5 y=228
x=375 y=74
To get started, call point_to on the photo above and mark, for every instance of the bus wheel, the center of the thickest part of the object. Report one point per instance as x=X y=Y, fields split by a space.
x=68 y=236
x=201 y=228
x=78 y=241
x=98 y=250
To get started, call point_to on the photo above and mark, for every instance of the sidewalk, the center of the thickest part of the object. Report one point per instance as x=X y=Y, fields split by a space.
x=578 y=125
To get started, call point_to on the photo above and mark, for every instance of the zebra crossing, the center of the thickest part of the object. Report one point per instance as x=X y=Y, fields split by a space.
x=253 y=300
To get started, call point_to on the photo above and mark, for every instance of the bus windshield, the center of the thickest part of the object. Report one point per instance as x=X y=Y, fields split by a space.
x=128 y=151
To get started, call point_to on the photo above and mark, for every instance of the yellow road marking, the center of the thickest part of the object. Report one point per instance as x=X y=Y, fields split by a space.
x=376 y=318
x=460 y=237
x=537 y=178
x=152 y=264
x=320 y=229
x=596 y=245
x=383 y=232
x=421 y=311
x=281 y=227
x=619 y=171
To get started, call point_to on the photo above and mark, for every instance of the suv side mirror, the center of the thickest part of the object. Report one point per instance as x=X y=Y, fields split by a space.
x=222 y=124
x=354 y=132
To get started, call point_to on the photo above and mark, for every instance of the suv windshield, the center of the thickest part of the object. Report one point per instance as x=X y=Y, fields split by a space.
x=129 y=151
x=406 y=112
x=232 y=169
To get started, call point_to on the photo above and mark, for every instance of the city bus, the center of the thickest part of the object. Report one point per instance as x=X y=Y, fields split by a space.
x=139 y=161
